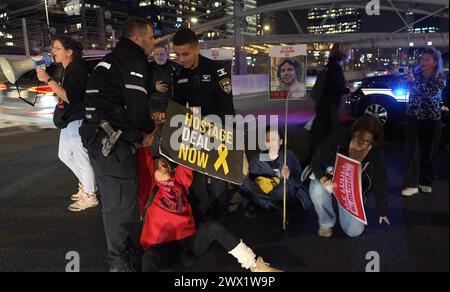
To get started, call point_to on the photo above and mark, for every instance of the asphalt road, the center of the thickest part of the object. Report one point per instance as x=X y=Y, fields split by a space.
x=37 y=231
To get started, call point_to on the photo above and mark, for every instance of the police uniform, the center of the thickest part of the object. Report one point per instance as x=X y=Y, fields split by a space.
x=159 y=100
x=208 y=86
x=117 y=93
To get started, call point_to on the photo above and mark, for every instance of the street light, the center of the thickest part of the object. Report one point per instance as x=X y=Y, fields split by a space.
x=46 y=13
x=267 y=27
x=194 y=20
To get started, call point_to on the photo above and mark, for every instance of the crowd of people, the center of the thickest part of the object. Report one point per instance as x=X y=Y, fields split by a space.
x=111 y=122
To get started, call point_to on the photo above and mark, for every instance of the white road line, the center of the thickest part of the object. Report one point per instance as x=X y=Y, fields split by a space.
x=12 y=133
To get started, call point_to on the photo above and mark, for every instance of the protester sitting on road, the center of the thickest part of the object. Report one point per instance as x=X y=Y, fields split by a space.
x=171 y=238
x=69 y=114
x=364 y=143
x=264 y=185
x=423 y=123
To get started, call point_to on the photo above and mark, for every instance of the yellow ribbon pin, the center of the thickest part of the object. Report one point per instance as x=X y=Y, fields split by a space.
x=222 y=161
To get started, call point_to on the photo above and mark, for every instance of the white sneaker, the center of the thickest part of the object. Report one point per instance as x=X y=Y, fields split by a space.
x=426 y=189
x=85 y=202
x=409 y=192
x=78 y=195
x=325 y=232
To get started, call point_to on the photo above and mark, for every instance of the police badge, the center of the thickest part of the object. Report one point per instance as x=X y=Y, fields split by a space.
x=225 y=84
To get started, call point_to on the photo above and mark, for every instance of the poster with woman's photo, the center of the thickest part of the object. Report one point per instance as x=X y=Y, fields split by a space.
x=288 y=73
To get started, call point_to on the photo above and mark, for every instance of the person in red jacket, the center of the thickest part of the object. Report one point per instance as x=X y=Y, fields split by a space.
x=170 y=236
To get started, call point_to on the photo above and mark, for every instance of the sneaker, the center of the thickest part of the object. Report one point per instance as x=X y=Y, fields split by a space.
x=426 y=189
x=325 y=232
x=78 y=195
x=263 y=267
x=85 y=202
x=409 y=192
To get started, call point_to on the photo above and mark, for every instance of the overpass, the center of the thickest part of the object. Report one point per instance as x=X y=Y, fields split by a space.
x=356 y=40
x=397 y=38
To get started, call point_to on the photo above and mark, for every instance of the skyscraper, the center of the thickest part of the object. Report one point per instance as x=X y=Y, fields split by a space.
x=171 y=15
x=334 y=20
x=429 y=25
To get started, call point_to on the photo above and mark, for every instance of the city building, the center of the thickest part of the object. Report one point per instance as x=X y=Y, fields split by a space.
x=334 y=20
x=170 y=15
x=429 y=25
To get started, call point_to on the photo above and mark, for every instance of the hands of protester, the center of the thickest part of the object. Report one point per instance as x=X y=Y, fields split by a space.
x=385 y=220
x=286 y=172
x=327 y=184
x=42 y=75
x=162 y=87
x=195 y=110
x=149 y=138
x=159 y=118
x=246 y=166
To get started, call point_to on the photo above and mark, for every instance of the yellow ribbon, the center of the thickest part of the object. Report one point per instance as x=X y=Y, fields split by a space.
x=222 y=161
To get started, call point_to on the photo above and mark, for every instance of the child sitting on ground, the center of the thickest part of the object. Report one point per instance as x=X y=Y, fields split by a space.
x=264 y=185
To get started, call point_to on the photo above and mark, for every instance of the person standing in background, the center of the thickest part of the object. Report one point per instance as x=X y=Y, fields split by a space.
x=162 y=69
x=335 y=86
x=423 y=123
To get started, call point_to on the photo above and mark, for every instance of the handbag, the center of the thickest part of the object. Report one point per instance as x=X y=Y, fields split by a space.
x=59 y=116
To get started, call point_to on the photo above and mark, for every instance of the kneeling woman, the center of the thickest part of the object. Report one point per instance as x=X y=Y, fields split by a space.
x=363 y=142
x=170 y=236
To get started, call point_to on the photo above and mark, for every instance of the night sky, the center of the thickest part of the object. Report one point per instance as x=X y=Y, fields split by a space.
x=386 y=22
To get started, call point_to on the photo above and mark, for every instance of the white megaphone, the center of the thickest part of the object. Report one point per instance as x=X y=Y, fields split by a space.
x=14 y=69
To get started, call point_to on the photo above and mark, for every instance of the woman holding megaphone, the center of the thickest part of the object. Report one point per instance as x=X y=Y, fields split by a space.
x=69 y=113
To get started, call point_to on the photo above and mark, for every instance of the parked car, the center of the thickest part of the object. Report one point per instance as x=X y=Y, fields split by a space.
x=385 y=97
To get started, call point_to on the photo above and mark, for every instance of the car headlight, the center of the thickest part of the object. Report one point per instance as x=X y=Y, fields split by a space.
x=47 y=101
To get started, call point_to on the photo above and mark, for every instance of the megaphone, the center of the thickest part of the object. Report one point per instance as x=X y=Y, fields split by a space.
x=14 y=69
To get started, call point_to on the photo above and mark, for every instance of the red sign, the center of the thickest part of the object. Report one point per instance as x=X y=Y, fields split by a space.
x=348 y=187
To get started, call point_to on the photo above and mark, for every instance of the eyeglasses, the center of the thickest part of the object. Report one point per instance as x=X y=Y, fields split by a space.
x=360 y=142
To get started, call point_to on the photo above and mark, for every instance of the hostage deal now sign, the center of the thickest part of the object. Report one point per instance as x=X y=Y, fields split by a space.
x=201 y=144
x=348 y=187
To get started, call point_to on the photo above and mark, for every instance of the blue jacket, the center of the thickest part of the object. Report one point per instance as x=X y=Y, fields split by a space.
x=294 y=183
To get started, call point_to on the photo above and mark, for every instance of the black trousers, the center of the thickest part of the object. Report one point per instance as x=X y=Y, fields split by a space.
x=325 y=122
x=422 y=146
x=180 y=254
x=211 y=196
x=118 y=187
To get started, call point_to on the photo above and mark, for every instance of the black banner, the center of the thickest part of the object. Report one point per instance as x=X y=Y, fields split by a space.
x=204 y=145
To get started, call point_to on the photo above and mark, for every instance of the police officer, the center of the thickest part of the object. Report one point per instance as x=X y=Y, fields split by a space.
x=201 y=82
x=163 y=70
x=118 y=118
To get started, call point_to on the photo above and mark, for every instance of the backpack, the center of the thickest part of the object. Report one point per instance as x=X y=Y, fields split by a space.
x=317 y=91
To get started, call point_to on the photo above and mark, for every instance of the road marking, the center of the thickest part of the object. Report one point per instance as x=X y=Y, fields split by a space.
x=12 y=133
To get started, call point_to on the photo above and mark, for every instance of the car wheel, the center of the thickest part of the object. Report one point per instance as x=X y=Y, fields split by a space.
x=380 y=109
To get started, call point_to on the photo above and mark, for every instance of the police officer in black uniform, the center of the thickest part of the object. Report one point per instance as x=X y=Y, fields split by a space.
x=117 y=119
x=201 y=82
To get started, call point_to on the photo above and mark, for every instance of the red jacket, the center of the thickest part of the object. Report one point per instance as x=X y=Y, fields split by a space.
x=169 y=217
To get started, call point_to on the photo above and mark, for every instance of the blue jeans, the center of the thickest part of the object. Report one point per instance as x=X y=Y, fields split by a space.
x=323 y=204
